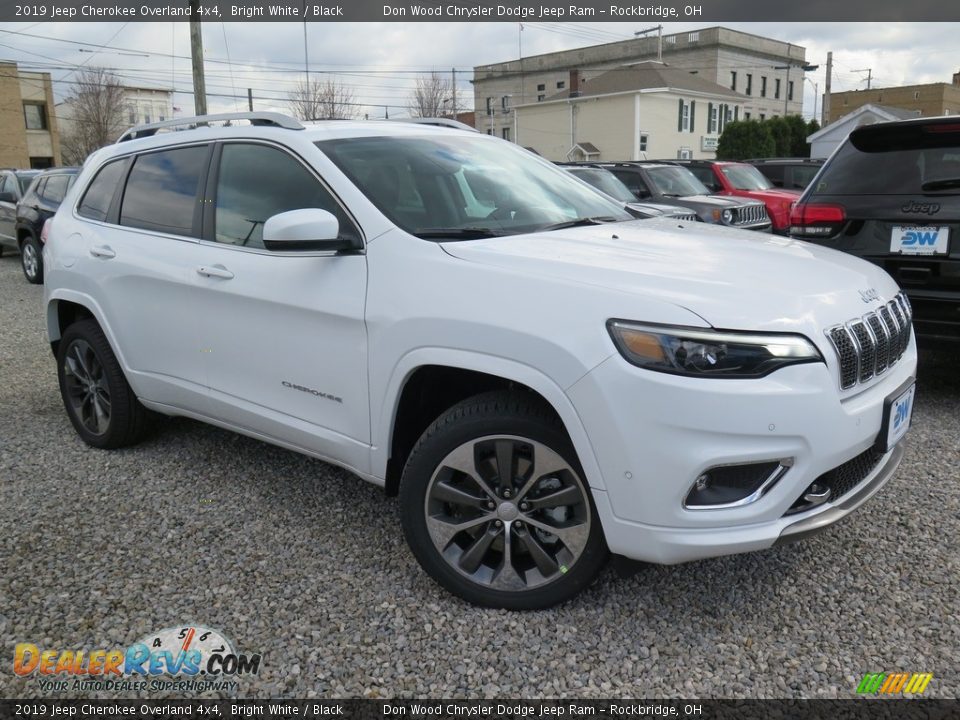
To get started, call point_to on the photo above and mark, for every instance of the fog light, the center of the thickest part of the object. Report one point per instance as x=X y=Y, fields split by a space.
x=726 y=486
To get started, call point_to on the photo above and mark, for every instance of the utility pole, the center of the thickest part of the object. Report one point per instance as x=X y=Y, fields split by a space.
x=825 y=111
x=869 y=72
x=250 y=99
x=659 y=29
x=453 y=90
x=196 y=55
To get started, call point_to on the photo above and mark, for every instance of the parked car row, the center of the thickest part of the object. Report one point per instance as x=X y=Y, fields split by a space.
x=28 y=198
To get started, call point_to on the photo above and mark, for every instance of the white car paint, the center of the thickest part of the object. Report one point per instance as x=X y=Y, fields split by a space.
x=528 y=308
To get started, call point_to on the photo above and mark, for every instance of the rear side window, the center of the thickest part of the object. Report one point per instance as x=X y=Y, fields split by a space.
x=161 y=191
x=801 y=176
x=895 y=160
x=96 y=200
x=774 y=173
x=256 y=182
x=706 y=176
x=55 y=188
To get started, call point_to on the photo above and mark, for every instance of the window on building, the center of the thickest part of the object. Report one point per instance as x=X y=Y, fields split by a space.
x=505 y=103
x=746 y=116
x=763 y=116
x=489 y=106
x=713 y=121
x=684 y=121
x=790 y=91
x=541 y=87
x=132 y=116
x=161 y=192
x=916 y=95
x=763 y=86
x=146 y=117
x=749 y=84
x=540 y=98
x=776 y=88
x=561 y=85
x=505 y=133
x=35 y=115
x=693 y=37
x=644 y=139
x=733 y=79
x=684 y=154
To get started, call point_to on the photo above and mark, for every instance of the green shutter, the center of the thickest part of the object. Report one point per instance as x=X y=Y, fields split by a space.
x=680 y=118
x=710 y=127
x=693 y=109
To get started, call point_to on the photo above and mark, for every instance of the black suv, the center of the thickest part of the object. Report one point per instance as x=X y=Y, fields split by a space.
x=40 y=202
x=788 y=173
x=13 y=186
x=891 y=195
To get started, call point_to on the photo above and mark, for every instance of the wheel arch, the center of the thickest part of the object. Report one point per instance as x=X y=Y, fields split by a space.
x=66 y=308
x=429 y=381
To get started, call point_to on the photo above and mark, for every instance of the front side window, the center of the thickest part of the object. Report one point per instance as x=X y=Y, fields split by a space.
x=96 y=200
x=418 y=181
x=256 y=182
x=161 y=192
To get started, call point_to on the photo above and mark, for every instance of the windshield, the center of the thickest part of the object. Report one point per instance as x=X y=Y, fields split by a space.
x=676 y=182
x=606 y=182
x=745 y=177
x=453 y=186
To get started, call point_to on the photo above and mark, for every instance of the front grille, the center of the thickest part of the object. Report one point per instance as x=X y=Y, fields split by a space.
x=750 y=215
x=870 y=345
x=843 y=478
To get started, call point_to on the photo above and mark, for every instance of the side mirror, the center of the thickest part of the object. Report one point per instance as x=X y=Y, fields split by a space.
x=641 y=193
x=7 y=197
x=306 y=229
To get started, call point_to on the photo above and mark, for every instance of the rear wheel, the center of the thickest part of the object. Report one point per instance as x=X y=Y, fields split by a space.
x=31 y=260
x=99 y=401
x=495 y=508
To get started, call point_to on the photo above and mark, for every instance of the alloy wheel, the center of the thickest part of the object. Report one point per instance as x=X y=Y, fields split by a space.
x=31 y=263
x=86 y=385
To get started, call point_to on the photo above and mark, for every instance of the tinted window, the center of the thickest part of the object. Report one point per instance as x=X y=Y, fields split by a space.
x=634 y=183
x=161 y=192
x=705 y=175
x=801 y=175
x=256 y=182
x=774 y=173
x=55 y=188
x=96 y=201
x=9 y=184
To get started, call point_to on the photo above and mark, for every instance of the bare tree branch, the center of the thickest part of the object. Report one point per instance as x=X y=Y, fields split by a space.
x=428 y=97
x=94 y=114
x=322 y=99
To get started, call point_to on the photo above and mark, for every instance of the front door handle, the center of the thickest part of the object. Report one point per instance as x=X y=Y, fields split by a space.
x=217 y=271
x=103 y=251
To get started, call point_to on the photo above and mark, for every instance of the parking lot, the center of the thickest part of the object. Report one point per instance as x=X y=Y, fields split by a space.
x=300 y=561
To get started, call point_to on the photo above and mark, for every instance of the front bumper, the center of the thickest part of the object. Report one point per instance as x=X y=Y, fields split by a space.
x=654 y=434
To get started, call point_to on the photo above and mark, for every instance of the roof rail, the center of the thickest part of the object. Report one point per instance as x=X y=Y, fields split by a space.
x=256 y=118
x=440 y=122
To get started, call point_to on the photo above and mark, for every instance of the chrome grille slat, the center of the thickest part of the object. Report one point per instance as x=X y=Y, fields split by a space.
x=868 y=346
x=750 y=214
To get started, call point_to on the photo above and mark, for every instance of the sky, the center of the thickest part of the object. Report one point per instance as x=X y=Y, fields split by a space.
x=381 y=61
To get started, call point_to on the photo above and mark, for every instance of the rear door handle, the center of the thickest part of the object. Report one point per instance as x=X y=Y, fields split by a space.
x=103 y=251
x=217 y=271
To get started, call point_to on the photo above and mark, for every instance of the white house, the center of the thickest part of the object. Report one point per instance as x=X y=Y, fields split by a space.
x=827 y=139
x=646 y=110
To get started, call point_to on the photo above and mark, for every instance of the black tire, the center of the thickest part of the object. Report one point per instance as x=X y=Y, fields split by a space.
x=481 y=423
x=98 y=375
x=31 y=260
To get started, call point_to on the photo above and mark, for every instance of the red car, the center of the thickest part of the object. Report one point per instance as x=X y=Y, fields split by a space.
x=743 y=180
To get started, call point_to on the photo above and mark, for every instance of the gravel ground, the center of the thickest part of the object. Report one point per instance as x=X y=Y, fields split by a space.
x=300 y=561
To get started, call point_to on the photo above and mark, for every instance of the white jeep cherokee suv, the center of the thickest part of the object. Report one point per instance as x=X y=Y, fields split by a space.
x=542 y=379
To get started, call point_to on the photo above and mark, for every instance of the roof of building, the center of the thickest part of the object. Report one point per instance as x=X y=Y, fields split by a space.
x=883 y=113
x=647 y=76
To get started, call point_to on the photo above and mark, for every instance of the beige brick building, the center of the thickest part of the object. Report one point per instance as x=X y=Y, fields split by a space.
x=28 y=123
x=931 y=100
x=767 y=72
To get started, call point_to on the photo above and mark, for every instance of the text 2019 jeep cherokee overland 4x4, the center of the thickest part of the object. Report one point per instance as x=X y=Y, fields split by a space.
x=542 y=379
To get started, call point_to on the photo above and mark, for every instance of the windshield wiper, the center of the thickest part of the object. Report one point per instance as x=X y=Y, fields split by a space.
x=464 y=233
x=579 y=222
x=943 y=184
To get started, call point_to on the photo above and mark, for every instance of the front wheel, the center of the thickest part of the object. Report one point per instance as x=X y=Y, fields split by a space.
x=31 y=261
x=495 y=507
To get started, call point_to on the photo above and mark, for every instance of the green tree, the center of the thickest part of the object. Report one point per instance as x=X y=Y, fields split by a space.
x=781 y=133
x=743 y=139
x=799 y=130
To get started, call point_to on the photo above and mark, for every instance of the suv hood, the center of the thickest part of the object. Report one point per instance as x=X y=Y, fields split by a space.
x=776 y=195
x=715 y=200
x=733 y=279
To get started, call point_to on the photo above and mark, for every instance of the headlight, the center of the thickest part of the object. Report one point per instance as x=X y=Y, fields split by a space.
x=727 y=217
x=709 y=353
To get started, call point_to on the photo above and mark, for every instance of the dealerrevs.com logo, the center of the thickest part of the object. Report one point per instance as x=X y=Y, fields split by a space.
x=191 y=658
